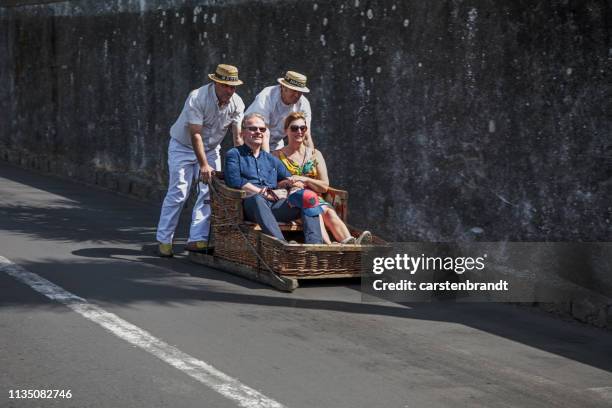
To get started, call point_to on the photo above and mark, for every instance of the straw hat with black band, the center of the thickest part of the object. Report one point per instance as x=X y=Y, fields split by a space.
x=294 y=80
x=226 y=74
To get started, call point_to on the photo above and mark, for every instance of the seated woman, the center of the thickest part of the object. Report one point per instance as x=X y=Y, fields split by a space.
x=308 y=166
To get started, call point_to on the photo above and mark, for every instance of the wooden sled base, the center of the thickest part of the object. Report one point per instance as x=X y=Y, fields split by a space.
x=282 y=283
x=262 y=276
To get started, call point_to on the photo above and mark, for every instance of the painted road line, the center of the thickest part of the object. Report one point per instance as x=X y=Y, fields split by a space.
x=200 y=370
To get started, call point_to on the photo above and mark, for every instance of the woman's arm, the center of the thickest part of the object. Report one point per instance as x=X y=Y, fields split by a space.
x=321 y=184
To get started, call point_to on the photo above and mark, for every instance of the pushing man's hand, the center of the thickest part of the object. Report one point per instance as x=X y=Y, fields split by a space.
x=206 y=173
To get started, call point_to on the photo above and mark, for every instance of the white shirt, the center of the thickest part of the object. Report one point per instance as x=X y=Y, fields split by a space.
x=269 y=104
x=202 y=108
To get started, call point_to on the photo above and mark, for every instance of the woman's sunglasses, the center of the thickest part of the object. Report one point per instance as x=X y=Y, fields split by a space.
x=295 y=128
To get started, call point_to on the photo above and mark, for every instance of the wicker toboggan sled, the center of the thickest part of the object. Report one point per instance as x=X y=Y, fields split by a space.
x=241 y=248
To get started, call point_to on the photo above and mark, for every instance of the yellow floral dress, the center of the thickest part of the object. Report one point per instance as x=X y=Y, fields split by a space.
x=307 y=169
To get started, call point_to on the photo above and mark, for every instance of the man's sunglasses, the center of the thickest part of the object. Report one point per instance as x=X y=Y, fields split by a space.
x=295 y=128
x=255 y=129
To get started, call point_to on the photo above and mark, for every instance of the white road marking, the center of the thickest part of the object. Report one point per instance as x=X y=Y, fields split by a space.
x=200 y=370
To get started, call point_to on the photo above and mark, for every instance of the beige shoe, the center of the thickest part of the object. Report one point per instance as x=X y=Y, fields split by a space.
x=365 y=238
x=197 y=246
x=165 y=250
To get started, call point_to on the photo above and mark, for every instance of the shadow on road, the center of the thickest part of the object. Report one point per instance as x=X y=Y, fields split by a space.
x=104 y=278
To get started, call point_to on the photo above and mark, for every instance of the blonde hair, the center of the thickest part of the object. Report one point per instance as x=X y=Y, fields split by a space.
x=293 y=116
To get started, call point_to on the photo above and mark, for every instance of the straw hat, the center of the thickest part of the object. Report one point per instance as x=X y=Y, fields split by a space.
x=295 y=81
x=226 y=74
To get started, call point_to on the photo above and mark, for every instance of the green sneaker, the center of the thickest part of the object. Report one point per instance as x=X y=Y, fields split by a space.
x=165 y=250
x=197 y=246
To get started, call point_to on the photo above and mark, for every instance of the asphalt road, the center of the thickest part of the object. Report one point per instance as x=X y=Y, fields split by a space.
x=198 y=334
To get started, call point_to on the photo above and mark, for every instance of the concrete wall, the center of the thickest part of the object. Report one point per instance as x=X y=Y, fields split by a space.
x=445 y=120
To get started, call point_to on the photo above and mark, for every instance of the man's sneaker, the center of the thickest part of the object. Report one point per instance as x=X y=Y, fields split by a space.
x=165 y=250
x=197 y=246
x=365 y=238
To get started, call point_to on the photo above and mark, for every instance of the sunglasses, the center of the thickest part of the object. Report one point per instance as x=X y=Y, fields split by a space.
x=295 y=128
x=255 y=129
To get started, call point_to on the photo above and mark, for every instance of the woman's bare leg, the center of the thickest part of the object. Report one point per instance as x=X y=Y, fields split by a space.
x=324 y=233
x=335 y=224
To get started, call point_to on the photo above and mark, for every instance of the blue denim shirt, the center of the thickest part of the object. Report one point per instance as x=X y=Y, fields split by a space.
x=242 y=167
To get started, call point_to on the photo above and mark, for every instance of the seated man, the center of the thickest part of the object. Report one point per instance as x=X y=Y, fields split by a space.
x=257 y=172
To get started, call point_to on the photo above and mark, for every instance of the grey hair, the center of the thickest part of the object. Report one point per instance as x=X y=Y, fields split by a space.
x=251 y=116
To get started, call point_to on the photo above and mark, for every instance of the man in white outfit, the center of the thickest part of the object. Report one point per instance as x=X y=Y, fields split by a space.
x=274 y=103
x=194 y=153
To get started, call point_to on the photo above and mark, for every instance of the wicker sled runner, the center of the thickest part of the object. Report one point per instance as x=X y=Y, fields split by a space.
x=241 y=248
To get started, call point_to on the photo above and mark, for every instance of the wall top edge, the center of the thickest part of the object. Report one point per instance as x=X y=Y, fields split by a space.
x=96 y=7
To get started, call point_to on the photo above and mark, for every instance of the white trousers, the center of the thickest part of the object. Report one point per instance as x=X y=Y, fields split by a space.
x=183 y=168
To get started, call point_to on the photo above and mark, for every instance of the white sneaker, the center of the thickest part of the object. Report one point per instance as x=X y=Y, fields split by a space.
x=349 y=241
